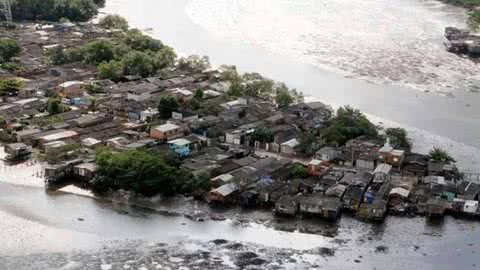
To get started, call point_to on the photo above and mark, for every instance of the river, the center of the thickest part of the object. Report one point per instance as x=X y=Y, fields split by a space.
x=377 y=55
x=40 y=230
x=69 y=229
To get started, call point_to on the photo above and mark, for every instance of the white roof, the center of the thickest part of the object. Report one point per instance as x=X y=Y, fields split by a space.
x=25 y=101
x=70 y=83
x=167 y=127
x=59 y=135
x=180 y=141
x=90 y=141
x=226 y=189
x=292 y=143
x=398 y=152
x=211 y=93
x=400 y=191
x=224 y=177
x=440 y=180
x=182 y=91
x=383 y=168
x=55 y=144
x=315 y=162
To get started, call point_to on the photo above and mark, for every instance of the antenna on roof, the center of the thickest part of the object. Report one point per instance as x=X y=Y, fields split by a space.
x=6 y=9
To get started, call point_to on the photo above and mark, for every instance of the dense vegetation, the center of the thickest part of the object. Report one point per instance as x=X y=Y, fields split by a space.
x=144 y=172
x=10 y=86
x=55 y=10
x=9 y=48
x=166 y=106
x=348 y=124
x=128 y=53
x=114 y=22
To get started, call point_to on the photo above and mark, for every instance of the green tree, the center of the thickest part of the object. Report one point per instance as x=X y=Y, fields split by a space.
x=198 y=184
x=93 y=104
x=113 y=22
x=165 y=57
x=284 y=98
x=308 y=143
x=10 y=86
x=54 y=10
x=438 y=154
x=399 y=138
x=299 y=171
x=236 y=89
x=55 y=106
x=112 y=70
x=99 y=51
x=166 y=106
x=136 y=40
x=198 y=94
x=229 y=73
x=473 y=20
x=139 y=63
x=348 y=124
x=263 y=135
x=137 y=170
x=9 y=48
x=194 y=63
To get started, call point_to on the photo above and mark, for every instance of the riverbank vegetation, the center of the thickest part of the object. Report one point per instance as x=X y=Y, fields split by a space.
x=348 y=124
x=126 y=53
x=56 y=10
x=473 y=11
x=143 y=172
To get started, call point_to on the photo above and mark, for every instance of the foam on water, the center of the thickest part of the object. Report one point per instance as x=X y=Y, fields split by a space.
x=383 y=41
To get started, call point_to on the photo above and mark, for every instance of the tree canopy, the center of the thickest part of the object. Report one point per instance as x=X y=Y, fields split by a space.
x=348 y=124
x=194 y=63
x=140 y=171
x=263 y=135
x=166 y=106
x=9 y=48
x=439 y=154
x=299 y=171
x=399 y=138
x=54 y=10
x=113 y=22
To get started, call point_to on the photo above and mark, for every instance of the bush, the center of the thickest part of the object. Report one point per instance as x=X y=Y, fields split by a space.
x=299 y=171
x=113 y=22
x=438 y=154
x=55 y=106
x=10 y=86
x=9 y=48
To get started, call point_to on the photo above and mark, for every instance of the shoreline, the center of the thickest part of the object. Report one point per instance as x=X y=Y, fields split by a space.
x=384 y=102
